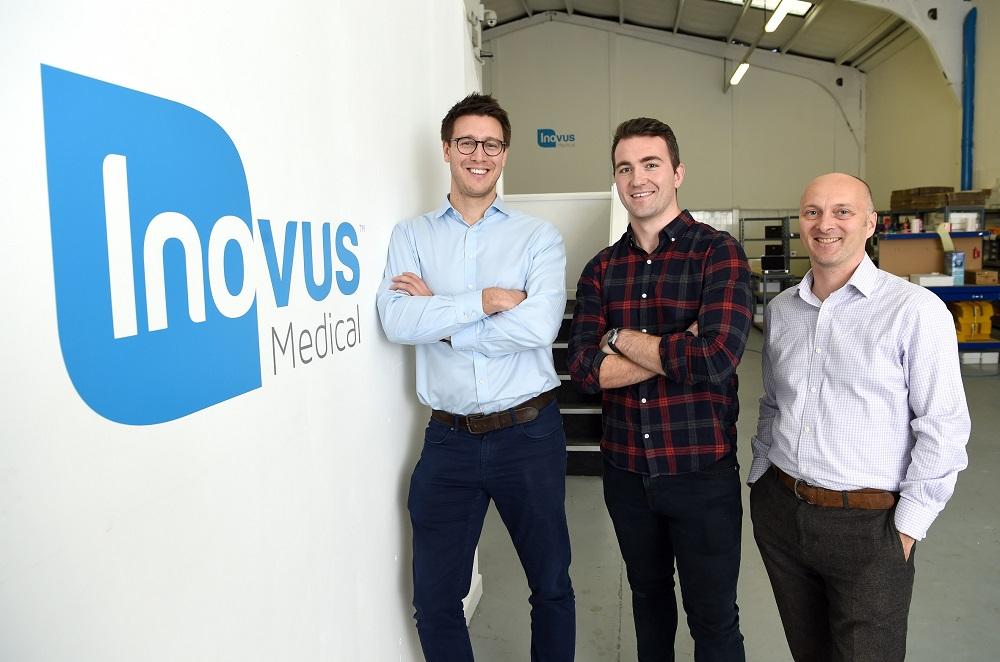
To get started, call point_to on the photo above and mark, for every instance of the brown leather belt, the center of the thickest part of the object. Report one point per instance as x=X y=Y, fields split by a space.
x=483 y=423
x=867 y=498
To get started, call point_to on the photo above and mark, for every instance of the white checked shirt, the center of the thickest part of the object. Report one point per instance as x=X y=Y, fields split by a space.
x=864 y=390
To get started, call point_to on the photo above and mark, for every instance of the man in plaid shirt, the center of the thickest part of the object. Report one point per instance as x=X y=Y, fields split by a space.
x=660 y=324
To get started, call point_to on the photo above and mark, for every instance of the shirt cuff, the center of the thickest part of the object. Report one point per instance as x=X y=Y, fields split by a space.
x=913 y=519
x=468 y=309
x=758 y=468
x=595 y=368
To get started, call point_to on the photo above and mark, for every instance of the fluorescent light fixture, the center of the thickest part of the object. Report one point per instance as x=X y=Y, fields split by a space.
x=796 y=7
x=778 y=16
x=739 y=73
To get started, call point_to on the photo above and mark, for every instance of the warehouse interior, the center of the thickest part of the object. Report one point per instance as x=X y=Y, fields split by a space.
x=868 y=94
x=158 y=504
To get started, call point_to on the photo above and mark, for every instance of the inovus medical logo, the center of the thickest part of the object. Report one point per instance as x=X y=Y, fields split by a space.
x=153 y=252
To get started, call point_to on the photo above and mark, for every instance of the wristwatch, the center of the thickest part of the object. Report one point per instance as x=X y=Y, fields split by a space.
x=612 y=337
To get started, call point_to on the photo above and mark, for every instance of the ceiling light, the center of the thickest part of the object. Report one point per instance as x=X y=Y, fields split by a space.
x=778 y=16
x=739 y=73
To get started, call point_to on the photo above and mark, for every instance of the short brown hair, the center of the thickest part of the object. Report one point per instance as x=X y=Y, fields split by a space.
x=475 y=104
x=647 y=126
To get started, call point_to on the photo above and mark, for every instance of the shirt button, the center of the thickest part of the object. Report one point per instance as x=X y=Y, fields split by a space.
x=643 y=295
x=471 y=287
x=806 y=428
x=643 y=401
x=812 y=390
x=644 y=330
x=819 y=351
x=645 y=436
x=673 y=239
x=482 y=381
x=649 y=262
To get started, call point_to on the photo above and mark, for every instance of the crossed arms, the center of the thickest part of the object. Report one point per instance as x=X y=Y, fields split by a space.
x=494 y=321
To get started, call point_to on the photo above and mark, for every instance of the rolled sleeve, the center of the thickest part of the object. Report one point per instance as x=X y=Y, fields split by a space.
x=724 y=320
x=587 y=329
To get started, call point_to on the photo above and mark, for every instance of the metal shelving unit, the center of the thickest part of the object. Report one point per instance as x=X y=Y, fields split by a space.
x=773 y=267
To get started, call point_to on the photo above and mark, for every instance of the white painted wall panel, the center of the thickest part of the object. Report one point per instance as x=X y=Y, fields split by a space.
x=270 y=526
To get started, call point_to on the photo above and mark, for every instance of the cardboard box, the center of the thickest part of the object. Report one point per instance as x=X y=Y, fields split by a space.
x=932 y=280
x=924 y=255
x=929 y=200
x=982 y=277
x=975 y=198
x=916 y=198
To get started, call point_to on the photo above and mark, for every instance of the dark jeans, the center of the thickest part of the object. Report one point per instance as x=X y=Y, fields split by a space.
x=523 y=470
x=839 y=577
x=694 y=518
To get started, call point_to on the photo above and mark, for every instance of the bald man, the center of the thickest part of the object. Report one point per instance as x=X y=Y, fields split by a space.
x=862 y=432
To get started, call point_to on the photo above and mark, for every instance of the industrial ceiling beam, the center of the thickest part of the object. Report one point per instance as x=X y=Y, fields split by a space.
x=743 y=12
x=569 y=7
x=817 y=7
x=940 y=24
x=677 y=17
x=746 y=57
x=883 y=28
x=621 y=12
x=527 y=9
x=874 y=50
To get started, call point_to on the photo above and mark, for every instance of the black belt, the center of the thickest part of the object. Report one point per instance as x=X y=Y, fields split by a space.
x=483 y=423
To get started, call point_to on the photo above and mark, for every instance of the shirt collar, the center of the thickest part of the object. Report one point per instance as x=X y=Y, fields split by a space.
x=864 y=279
x=447 y=210
x=672 y=231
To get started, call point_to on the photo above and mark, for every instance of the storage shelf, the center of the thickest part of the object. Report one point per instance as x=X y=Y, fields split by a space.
x=889 y=236
x=979 y=346
x=967 y=292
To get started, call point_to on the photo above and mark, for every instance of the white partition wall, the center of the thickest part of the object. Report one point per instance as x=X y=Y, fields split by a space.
x=205 y=440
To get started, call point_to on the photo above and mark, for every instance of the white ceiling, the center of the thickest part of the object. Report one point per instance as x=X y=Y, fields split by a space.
x=838 y=31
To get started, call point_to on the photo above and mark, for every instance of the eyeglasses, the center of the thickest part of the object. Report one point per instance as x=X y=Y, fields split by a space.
x=491 y=147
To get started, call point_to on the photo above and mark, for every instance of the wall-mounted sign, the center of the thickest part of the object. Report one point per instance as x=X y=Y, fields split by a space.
x=154 y=251
x=550 y=139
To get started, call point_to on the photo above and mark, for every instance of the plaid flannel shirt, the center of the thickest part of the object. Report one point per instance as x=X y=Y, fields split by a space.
x=684 y=421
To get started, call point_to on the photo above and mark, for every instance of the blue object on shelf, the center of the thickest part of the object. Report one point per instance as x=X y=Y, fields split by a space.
x=968 y=293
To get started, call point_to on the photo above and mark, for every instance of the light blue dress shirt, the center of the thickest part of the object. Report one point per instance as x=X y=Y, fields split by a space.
x=494 y=361
x=864 y=389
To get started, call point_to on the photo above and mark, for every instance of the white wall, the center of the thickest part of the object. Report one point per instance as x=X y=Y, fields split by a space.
x=582 y=218
x=915 y=122
x=755 y=146
x=272 y=525
x=914 y=125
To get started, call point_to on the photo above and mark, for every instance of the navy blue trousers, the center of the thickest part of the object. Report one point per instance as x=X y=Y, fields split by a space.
x=523 y=470
x=695 y=520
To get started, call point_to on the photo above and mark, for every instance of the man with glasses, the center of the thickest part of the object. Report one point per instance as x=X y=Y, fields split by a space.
x=479 y=289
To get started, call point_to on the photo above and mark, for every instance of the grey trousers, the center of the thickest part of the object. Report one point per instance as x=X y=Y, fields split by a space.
x=839 y=577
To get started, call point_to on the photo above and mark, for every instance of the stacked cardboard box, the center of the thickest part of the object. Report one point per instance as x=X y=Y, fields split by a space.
x=936 y=197
x=924 y=197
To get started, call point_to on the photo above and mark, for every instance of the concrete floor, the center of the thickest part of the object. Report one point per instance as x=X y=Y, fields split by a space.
x=955 y=613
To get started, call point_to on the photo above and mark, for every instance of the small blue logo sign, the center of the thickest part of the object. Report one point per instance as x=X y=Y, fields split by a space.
x=550 y=139
x=152 y=244
x=547 y=138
